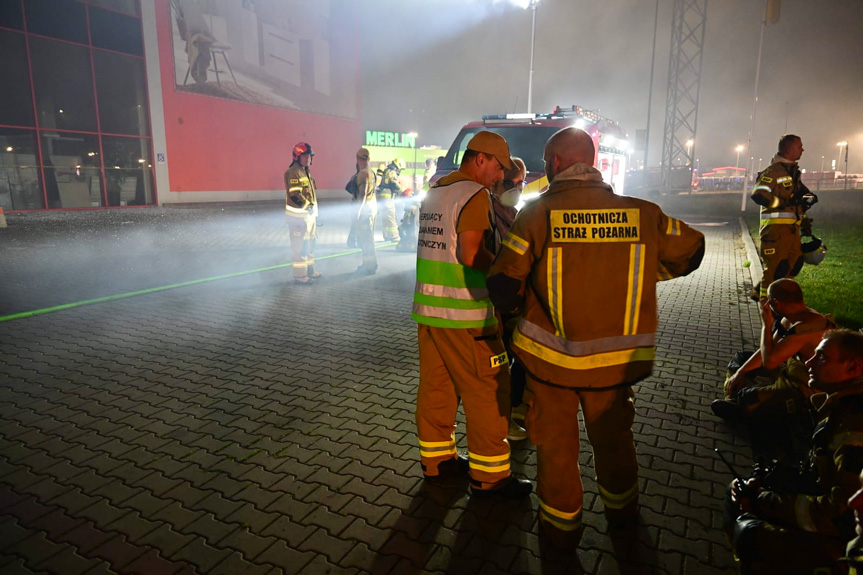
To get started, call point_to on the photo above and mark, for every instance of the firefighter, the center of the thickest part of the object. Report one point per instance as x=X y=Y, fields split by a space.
x=581 y=264
x=389 y=189
x=766 y=517
x=798 y=331
x=854 y=550
x=784 y=200
x=364 y=183
x=301 y=210
x=462 y=358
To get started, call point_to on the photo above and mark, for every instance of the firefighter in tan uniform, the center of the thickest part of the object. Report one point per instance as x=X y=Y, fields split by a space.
x=784 y=200
x=364 y=184
x=301 y=211
x=581 y=264
x=389 y=190
x=462 y=358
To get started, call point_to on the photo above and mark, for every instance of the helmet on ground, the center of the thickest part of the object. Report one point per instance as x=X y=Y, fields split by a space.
x=398 y=163
x=300 y=149
x=814 y=250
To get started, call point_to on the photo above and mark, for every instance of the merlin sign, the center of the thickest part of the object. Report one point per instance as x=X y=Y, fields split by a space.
x=390 y=139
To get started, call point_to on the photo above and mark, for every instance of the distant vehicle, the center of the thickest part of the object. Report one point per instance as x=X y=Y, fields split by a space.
x=526 y=135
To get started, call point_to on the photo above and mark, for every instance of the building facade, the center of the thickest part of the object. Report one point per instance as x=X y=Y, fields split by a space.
x=116 y=103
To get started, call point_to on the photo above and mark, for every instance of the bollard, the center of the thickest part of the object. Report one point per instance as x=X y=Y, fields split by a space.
x=2 y=218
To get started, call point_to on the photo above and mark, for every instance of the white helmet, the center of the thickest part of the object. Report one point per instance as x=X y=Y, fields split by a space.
x=814 y=250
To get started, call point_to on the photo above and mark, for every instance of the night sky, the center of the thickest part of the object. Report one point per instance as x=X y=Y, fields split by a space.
x=431 y=66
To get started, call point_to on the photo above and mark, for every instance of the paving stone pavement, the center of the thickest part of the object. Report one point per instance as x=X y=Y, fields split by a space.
x=248 y=425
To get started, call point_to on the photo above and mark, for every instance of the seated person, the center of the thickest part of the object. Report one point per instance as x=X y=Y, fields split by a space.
x=854 y=550
x=796 y=333
x=775 y=529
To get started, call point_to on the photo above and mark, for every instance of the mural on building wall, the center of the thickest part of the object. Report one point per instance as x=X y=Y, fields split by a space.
x=294 y=54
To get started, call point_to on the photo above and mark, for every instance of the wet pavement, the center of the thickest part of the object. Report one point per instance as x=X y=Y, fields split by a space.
x=250 y=425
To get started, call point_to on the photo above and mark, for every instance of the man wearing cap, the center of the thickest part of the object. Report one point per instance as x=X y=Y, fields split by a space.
x=364 y=182
x=462 y=358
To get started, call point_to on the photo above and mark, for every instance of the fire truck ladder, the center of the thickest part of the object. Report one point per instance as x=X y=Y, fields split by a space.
x=689 y=23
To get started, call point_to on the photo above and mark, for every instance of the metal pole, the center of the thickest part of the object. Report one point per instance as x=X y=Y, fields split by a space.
x=532 y=41
x=754 y=105
x=846 y=166
x=650 y=97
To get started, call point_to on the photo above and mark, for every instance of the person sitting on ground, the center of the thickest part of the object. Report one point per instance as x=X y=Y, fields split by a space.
x=795 y=336
x=764 y=522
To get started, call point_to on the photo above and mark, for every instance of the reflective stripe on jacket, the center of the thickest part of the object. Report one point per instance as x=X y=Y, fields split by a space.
x=776 y=187
x=448 y=293
x=587 y=262
x=299 y=191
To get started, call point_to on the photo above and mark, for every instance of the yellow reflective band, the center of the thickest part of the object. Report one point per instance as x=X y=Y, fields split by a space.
x=515 y=243
x=295 y=189
x=437 y=443
x=618 y=500
x=673 y=227
x=593 y=361
x=299 y=264
x=634 y=289
x=555 y=289
x=778 y=221
x=488 y=458
x=437 y=452
x=488 y=469
x=803 y=515
x=561 y=519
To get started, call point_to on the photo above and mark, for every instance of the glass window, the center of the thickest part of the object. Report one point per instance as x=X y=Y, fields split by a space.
x=121 y=84
x=115 y=31
x=19 y=171
x=63 y=85
x=64 y=19
x=71 y=164
x=126 y=6
x=16 y=101
x=10 y=14
x=128 y=171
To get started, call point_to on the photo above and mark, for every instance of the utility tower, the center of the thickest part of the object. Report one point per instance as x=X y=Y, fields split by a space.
x=688 y=25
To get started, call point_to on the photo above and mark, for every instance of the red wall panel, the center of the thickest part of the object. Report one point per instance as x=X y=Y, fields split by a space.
x=215 y=144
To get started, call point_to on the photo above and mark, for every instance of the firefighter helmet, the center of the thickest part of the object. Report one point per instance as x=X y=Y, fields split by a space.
x=814 y=250
x=399 y=164
x=300 y=149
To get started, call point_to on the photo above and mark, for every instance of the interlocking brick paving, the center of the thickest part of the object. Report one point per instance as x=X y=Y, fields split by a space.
x=249 y=425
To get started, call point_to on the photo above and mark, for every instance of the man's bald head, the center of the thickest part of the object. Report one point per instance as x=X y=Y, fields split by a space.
x=567 y=147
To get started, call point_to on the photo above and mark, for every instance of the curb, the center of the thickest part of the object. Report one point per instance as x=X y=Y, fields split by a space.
x=755 y=268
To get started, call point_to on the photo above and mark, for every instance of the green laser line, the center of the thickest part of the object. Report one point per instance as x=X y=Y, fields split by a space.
x=61 y=307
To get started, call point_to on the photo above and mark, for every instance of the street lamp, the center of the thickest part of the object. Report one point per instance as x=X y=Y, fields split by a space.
x=413 y=136
x=845 y=145
x=738 y=149
x=689 y=144
x=533 y=4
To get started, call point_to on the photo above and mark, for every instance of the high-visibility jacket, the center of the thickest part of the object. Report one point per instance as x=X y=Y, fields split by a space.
x=775 y=190
x=300 y=191
x=584 y=262
x=448 y=293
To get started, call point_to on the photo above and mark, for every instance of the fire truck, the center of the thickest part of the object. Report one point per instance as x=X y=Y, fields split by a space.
x=526 y=135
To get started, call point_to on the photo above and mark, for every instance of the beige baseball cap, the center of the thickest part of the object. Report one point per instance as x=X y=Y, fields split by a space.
x=363 y=154
x=491 y=143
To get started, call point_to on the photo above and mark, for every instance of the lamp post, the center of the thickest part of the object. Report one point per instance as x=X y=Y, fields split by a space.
x=533 y=4
x=821 y=173
x=845 y=145
x=414 y=136
x=738 y=149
